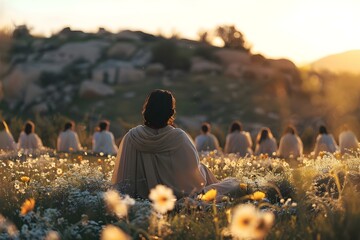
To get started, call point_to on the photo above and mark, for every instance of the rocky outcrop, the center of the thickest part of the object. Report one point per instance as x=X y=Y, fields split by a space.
x=200 y=65
x=92 y=89
x=122 y=50
x=230 y=56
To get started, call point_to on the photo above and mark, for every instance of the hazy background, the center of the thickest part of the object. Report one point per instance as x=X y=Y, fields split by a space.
x=301 y=30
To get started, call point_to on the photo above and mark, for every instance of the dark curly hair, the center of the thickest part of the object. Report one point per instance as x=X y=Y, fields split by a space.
x=159 y=109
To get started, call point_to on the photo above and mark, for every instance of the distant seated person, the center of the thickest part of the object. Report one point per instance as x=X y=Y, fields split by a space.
x=157 y=153
x=348 y=141
x=103 y=140
x=265 y=143
x=206 y=141
x=238 y=141
x=324 y=142
x=290 y=145
x=68 y=139
x=7 y=142
x=28 y=139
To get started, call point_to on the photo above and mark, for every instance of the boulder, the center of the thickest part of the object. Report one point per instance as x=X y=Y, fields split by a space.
x=200 y=65
x=40 y=108
x=155 y=69
x=234 y=70
x=32 y=92
x=128 y=35
x=91 y=89
x=283 y=65
x=89 y=51
x=130 y=75
x=121 y=50
x=231 y=56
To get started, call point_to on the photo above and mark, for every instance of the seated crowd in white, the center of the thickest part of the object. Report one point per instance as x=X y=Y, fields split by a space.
x=237 y=141
x=67 y=141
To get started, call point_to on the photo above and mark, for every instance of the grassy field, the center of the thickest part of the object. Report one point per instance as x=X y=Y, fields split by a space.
x=310 y=199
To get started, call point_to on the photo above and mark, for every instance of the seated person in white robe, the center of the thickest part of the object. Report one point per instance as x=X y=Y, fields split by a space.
x=68 y=139
x=265 y=143
x=238 y=141
x=103 y=140
x=348 y=141
x=324 y=142
x=28 y=139
x=7 y=142
x=157 y=153
x=206 y=141
x=290 y=145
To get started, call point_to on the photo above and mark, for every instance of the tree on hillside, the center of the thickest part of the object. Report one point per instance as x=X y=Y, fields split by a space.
x=231 y=37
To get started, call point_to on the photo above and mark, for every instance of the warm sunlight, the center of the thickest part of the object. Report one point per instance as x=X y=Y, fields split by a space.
x=300 y=30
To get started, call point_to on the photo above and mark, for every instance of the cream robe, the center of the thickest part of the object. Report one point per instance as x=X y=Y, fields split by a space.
x=268 y=146
x=290 y=144
x=104 y=142
x=207 y=142
x=347 y=142
x=68 y=141
x=7 y=142
x=31 y=141
x=238 y=142
x=326 y=143
x=148 y=157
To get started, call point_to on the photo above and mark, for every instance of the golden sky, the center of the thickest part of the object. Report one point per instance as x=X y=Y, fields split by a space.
x=301 y=30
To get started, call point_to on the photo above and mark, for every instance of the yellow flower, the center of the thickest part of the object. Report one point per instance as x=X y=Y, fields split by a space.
x=257 y=196
x=337 y=155
x=27 y=206
x=111 y=232
x=209 y=195
x=163 y=198
x=243 y=186
x=71 y=149
x=59 y=171
x=79 y=157
x=25 y=179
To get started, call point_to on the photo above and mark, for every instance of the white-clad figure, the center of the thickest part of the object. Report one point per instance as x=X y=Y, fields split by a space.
x=324 y=142
x=206 y=141
x=348 y=141
x=290 y=144
x=265 y=142
x=238 y=141
x=68 y=139
x=103 y=140
x=7 y=142
x=28 y=139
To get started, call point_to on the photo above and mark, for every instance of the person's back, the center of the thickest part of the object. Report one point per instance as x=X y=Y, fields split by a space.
x=7 y=142
x=238 y=142
x=325 y=143
x=267 y=146
x=29 y=141
x=104 y=142
x=206 y=142
x=68 y=141
x=347 y=141
x=290 y=146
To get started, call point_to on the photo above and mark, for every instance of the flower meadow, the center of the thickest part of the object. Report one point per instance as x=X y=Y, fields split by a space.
x=50 y=195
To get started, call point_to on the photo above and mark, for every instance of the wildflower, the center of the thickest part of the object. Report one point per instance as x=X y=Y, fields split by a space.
x=25 y=179
x=243 y=186
x=115 y=204
x=59 y=171
x=79 y=158
x=111 y=232
x=11 y=164
x=52 y=235
x=249 y=223
x=257 y=196
x=71 y=149
x=243 y=221
x=99 y=160
x=27 y=206
x=209 y=195
x=163 y=198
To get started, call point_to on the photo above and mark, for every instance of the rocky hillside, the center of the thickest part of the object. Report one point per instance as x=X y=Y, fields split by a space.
x=108 y=75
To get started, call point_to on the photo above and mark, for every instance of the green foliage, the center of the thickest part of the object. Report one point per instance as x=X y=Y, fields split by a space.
x=168 y=53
